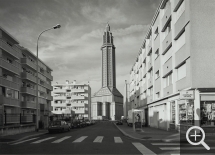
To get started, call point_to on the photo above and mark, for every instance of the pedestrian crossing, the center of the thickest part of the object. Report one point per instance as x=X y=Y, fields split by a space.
x=98 y=139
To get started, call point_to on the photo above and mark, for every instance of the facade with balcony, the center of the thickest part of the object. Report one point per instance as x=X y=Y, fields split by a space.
x=72 y=97
x=18 y=86
x=172 y=79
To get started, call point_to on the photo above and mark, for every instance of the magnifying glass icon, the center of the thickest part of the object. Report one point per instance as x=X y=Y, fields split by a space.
x=195 y=135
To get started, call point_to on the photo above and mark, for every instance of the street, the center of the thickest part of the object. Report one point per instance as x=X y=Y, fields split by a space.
x=101 y=138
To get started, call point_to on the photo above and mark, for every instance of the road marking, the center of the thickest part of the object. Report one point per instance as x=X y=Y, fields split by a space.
x=39 y=141
x=170 y=148
x=144 y=150
x=98 y=139
x=118 y=140
x=62 y=139
x=24 y=141
x=185 y=148
x=80 y=139
x=165 y=143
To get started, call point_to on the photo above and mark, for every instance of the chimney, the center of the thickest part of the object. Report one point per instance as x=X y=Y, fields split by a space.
x=74 y=82
x=67 y=81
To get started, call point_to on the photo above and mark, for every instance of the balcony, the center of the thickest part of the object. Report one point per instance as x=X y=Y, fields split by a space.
x=48 y=86
x=29 y=77
x=78 y=97
x=60 y=97
x=49 y=97
x=45 y=107
x=26 y=61
x=59 y=90
x=9 y=66
x=166 y=17
x=79 y=111
x=28 y=105
x=9 y=84
x=48 y=75
x=9 y=49
x=180 y=24
x=28 y=90
x=42 y=100
x=167 y=43
x=74 y=104
x=77 y=90
x=9 y=101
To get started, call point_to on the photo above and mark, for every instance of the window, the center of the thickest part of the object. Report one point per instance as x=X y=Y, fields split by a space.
x=156 y=33
x=168 y=80
x=157 y=95
x=150 y=91
x=168 y=29
x=181 y=72
x=180 y=10
x=180 y=41
x=157 y=54
x=157 y=74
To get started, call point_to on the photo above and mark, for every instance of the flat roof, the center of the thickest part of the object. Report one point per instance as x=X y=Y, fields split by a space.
x=9 y=35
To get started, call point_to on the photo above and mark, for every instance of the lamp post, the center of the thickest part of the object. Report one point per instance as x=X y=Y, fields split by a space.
x=37 y=104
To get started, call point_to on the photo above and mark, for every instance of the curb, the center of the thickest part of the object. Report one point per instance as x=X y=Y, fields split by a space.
x=30 y=136
x=127 y=135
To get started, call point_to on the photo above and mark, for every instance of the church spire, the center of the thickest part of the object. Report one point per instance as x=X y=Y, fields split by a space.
x=107 y=27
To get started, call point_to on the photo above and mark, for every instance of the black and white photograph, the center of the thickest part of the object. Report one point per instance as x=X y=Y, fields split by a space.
x=107 y=77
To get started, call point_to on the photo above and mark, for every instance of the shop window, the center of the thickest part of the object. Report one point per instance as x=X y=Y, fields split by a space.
x=207 y=113
x=186 y=113
x=172 y=112
x=181 y=72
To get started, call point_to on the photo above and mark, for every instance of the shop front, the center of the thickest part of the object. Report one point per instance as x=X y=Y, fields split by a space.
x=191 y=108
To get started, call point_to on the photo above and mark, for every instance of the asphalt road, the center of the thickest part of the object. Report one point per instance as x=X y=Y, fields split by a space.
x=101 y=138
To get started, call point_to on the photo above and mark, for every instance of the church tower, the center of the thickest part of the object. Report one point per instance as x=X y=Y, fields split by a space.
x=107 y=103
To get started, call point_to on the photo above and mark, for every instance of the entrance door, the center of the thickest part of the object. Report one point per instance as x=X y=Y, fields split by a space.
x=158 y=121
x=146 y=117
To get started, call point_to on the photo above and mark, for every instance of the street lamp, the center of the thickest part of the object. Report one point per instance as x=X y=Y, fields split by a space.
x=37 y=104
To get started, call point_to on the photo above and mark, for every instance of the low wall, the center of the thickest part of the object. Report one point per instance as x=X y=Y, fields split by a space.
x=16 y=129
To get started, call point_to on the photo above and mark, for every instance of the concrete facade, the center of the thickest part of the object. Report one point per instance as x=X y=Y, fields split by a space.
x=72 y=96
x=177 y=55
x=107 y=103
x=18 y=86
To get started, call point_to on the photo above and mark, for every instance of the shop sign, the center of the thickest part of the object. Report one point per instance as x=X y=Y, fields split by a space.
x=187 y=95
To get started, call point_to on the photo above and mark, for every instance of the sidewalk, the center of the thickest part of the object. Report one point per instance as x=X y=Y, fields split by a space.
x=148 y=133
x=18 y=137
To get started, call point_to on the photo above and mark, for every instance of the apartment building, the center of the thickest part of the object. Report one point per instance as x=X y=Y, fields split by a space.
x=18 y=87
x=172 y=79
x=72 y=96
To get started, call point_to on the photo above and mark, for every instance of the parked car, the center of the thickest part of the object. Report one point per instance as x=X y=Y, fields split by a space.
x=82 y=123
x=119 y=122
x=75 y=124
x=88 y=123
x=59 y=126
x=93 y=122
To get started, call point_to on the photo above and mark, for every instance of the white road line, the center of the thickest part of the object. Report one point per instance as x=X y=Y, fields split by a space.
x=118 y=140
x=98 y=139
x=144 y=150
x=80 y=139
x=61 y=139
x=39 y=141
x=185 y=148
x=165 y=143
x=170 y=148
x=24 y=141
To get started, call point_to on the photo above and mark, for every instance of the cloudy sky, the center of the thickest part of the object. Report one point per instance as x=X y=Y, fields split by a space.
x=73 y=51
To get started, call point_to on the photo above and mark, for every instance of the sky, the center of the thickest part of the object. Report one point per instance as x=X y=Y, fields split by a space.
x=73 y=51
